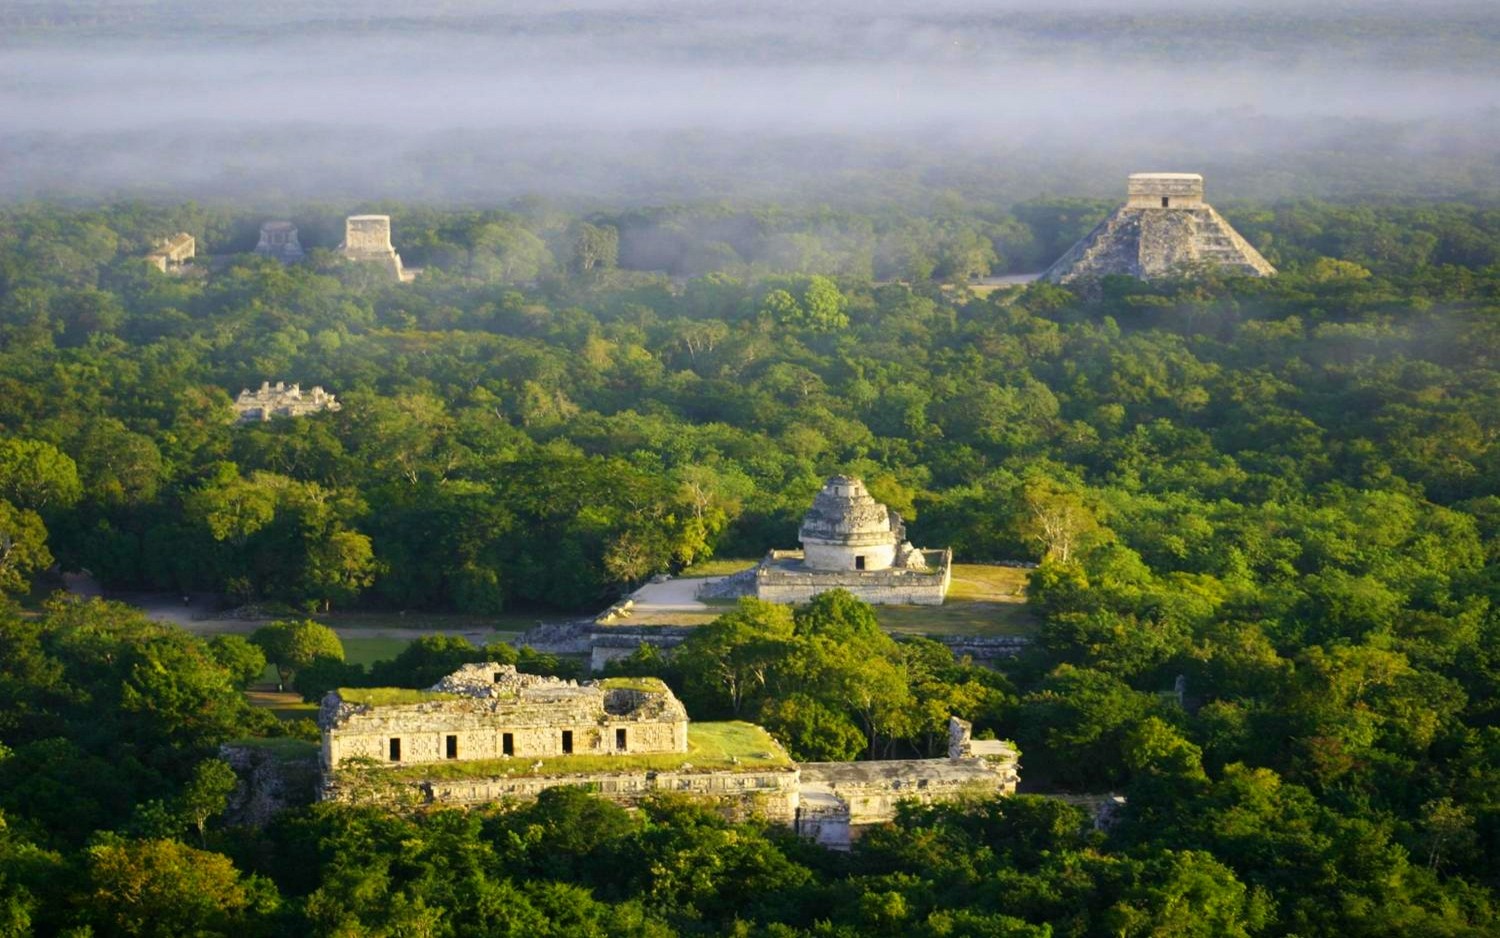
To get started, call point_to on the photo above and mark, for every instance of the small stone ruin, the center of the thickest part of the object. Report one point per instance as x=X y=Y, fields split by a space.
x=281 y=400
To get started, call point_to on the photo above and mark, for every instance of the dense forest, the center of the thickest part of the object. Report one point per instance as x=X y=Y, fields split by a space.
x=1286 y=491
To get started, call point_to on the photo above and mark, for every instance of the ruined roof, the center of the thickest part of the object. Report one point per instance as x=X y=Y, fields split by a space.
x=489 y=687
x=844 y=512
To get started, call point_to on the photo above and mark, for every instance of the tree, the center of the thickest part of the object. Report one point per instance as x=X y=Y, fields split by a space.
x=207 y=793
x=811 y=730
x=782 y=308
x=340 y=567
x=824 y=306
x=23 y=547
x=1056 y=519
x=290 y=645
x=37 y=475
x=162 y=888
x=244 y=661
x=731 y=657
x=595 y=246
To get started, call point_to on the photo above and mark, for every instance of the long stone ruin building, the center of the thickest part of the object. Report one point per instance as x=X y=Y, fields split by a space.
x=487 y=733
x=1163 y=229
x=278 y=241
x=367 y=239
x=172 y=254
x=849 y=541
x=281 y=400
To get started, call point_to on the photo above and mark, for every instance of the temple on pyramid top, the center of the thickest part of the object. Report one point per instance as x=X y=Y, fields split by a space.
x=1164 y=229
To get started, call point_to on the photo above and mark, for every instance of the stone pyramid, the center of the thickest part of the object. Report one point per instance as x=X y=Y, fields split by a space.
x=1164 y=228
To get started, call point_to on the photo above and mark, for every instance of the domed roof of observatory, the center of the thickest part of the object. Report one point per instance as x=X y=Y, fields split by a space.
x=844 y=513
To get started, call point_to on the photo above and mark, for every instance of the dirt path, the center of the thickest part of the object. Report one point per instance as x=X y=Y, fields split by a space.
x=677 y=595
x=198 y=615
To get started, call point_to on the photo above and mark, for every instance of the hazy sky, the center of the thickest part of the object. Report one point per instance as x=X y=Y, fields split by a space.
x=652 y=100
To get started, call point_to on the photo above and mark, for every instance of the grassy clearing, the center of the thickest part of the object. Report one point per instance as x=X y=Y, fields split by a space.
x=283 y=705
x=649 y=685
x=714 y=747
x=982 y=600
x=974 y=582
x=284 y=748
x=391 y=696
x=367 y=651
x=719 y=566
x=958 y=618
x=433 y=621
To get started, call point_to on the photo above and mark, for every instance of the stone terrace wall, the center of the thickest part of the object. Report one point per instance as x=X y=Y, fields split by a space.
x=796 y=584
x=769 y=793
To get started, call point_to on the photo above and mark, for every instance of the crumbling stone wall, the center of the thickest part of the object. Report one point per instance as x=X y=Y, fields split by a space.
x=840 y=799
x=171 y=254
x=268 y=784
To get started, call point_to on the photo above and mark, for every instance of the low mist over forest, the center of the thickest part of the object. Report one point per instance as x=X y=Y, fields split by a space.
x=847 y=102
x=1225 y=539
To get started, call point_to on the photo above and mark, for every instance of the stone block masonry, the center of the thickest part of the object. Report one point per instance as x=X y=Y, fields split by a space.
x=487 y=734
x=367 y=239
x=1164 y=229
x=487 y=711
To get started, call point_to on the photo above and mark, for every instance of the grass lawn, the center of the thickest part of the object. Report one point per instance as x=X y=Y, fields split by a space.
x=957 y=618
x=982 y=600
x=436 y=621
x=982 y=583
x=367 y=651
x=284 y=705
x=391 y=696
x=719 y=566
x=711 y=747
x=284 y=748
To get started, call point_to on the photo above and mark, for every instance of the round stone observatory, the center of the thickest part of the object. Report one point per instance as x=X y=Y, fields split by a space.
x=848 y=530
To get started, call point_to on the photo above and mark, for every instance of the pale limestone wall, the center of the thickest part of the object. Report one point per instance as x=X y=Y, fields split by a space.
x=779 y=582
x=1181 y=190
x=367 y=238
x=769 y=793
x=879 y=554
x=480 y=705
x=423 y=736
x=367 y=235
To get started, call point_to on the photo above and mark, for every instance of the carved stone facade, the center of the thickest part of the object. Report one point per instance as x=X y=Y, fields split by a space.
x=278 y=241
x=1164 y=229
x=852 y=542
x=367 y=239
x=491 y=711
x=173 y=253
x=281 y=400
